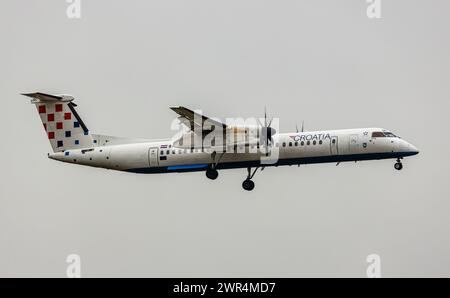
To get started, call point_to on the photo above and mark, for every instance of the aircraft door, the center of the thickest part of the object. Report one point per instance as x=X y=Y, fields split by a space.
x=353 y=144
x=334 y=146
x=153 y=157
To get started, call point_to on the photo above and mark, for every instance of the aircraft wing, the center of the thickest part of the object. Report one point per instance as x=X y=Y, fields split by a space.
x=203 y=126
x=195 y=120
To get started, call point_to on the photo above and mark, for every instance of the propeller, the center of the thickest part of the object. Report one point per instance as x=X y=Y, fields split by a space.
x=303 y=127
x=266 y=131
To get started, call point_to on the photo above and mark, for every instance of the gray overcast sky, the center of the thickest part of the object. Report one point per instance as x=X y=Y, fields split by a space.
x=321 y=61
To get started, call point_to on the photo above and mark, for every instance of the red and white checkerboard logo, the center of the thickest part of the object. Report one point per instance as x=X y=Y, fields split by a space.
x=63 y=129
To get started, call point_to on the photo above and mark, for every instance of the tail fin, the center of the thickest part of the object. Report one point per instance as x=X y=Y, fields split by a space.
x=64 y=127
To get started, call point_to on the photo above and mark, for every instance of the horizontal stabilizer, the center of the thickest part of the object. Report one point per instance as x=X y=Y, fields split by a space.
x=43 y=97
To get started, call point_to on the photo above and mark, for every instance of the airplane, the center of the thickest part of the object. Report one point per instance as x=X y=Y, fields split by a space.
x=72 y=142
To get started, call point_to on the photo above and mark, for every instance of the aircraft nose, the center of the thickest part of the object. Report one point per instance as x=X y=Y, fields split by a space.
x=413 y=149
x=408 y=148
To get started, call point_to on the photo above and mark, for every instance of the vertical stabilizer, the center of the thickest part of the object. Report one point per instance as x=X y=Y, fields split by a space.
x=63 y=125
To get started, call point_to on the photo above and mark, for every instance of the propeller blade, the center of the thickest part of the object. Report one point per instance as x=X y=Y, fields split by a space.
x=265 y=116
x=266 y=131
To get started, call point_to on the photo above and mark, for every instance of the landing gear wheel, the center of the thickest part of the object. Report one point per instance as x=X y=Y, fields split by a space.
x=248 y=184
x=212 y=174
x=398 y=166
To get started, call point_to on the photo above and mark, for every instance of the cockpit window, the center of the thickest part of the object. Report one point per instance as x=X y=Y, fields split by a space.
x=385 y=134
x=377 y=134
x=389 y=134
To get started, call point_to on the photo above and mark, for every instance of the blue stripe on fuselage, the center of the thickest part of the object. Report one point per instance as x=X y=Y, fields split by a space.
x=280 y=162
x=187 y=167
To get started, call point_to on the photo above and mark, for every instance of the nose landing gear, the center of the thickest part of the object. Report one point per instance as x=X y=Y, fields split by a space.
x=398 y=165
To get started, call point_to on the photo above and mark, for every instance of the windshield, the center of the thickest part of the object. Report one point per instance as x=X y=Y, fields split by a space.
x=383 y=134
x=389 y=134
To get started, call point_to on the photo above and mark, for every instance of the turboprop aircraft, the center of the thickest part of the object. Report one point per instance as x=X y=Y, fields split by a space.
x=209 y=145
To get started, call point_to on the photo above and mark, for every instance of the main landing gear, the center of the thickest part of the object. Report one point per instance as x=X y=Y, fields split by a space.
x=398 y=165
x=248 y=183
x=212 y=173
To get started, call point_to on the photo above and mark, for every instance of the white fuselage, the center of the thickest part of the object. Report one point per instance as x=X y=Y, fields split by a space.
x=288 y=148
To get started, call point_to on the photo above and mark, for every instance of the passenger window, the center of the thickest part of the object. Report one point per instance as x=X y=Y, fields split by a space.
x=320 y=142
x=168 y=152
x=302 y=143
x=161 y=153
x=284 y=144
x=314 y=142
x=296 y=144
x=290 y=144
x=308 y=143
x=333 y=141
